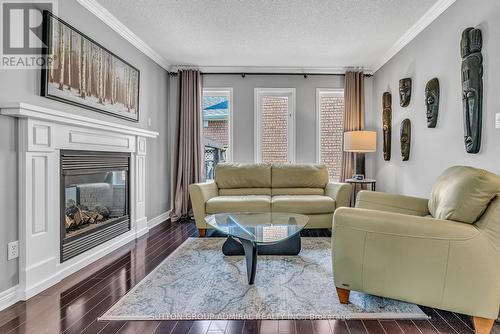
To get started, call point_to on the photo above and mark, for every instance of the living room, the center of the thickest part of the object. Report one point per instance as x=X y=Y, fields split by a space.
x=249 y=166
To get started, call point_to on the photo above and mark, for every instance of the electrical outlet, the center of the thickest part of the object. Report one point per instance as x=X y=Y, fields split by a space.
x=149 y=121
x=497 y=121
x=12 y=250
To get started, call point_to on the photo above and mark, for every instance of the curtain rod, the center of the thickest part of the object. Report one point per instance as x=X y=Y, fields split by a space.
x=243 y=74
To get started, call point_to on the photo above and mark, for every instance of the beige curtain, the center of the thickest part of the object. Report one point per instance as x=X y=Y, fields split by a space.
x=188 y=144
x=354 y=116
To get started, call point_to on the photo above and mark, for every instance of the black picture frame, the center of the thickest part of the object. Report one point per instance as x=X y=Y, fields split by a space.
x=130 y=74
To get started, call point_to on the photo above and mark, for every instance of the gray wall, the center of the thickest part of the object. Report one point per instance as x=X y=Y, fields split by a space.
x=436 y=53
x=243 y=108
x=24 y=86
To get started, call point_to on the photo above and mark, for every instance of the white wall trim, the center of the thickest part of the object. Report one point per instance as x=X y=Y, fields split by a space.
x=258 y=93
x=433 y=13
x=269 y=69
x=158 y=219
x=15 y=294
x=228 y=92
x=25 y=110
x=109 y=19
x=9 y=297
x=320 y=92
x=42 y=133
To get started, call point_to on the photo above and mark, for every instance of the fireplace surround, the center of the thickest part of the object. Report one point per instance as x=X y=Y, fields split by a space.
x=45 y=135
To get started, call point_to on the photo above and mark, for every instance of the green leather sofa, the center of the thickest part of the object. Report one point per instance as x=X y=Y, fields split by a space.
x=296 y=188
x=443 y=252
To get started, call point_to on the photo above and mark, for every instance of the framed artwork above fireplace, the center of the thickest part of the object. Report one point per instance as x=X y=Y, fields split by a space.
x=82 y=72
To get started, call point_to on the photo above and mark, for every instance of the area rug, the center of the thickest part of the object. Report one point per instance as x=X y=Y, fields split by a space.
x=198 y=282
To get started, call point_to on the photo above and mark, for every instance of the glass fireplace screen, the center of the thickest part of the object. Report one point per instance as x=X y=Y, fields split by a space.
x=93 y=199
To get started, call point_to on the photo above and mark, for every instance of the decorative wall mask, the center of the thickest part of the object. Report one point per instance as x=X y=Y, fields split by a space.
x=387 y=124
x=405 y=137
x=472 y=87
x=404 y=92
x=432 y=102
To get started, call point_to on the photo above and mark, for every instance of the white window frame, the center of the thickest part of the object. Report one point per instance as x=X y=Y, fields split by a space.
x=258 y=94
x=321 y=92
x=226 y=92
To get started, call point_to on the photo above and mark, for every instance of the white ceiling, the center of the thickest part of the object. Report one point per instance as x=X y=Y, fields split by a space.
x=271 y=33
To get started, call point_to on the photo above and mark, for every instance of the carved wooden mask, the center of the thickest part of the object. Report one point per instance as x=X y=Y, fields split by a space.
x=387 y=124
x=432 y=102
x=472 y=88
x=404 y=92
x=405 y=137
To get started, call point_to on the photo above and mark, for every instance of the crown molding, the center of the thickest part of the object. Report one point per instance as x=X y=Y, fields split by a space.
x=109 y=19
x=269 y=69
x=433 y=13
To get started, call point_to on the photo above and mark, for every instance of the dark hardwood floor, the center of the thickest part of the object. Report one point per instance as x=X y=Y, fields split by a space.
x=73 y=305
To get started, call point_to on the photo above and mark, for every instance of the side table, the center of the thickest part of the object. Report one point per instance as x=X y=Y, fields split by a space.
x=358 y=186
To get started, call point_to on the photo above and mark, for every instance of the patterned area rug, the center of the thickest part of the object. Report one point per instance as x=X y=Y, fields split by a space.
x=198 y=282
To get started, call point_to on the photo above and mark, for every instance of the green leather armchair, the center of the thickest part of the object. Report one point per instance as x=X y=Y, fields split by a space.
x=443 y=252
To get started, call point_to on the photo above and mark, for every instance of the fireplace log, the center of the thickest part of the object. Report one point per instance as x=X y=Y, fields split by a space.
x=102 y=210
x=77 y=217
x=94 y=217
x=71 y=209
x=68 y=222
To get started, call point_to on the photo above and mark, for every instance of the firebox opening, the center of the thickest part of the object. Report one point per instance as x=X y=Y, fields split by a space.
x=94 y=199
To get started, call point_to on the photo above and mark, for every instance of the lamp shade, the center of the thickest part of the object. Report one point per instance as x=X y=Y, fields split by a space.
x=360 y=141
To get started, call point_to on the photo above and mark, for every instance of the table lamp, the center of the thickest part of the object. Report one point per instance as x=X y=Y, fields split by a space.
x=360 y=142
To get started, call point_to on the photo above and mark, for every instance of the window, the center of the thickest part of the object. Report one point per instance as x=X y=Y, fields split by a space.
x=217 y=139
x=330 y=129
x=275 y=125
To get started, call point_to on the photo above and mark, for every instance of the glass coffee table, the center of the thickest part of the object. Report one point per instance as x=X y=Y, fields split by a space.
x=253 y=234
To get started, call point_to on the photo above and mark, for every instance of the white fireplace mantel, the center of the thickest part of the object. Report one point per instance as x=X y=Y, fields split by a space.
x=42 y=133
x=25 y=110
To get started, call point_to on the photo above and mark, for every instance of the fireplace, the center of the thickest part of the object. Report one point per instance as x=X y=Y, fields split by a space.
x=94 y=199
x=46 y=252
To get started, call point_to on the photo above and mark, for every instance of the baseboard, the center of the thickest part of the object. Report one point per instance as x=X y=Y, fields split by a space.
x=98 y=252
x=35 y=289
x=158 y=219
x=71 y=266
x=9 y=297
x=17 y=293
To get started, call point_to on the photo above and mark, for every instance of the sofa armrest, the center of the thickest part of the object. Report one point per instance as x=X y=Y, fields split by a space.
x=392 y=203
x=422 y=260
x=200 y=193
x=397 y=224
x=340 y=192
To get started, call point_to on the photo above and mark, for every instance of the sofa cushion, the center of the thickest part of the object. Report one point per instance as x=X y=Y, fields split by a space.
x=235 y=175
x=305 y=204
x=251 y=203
x=299 y=176
x=298 y=191
x=463 y=193
x=244 y=191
